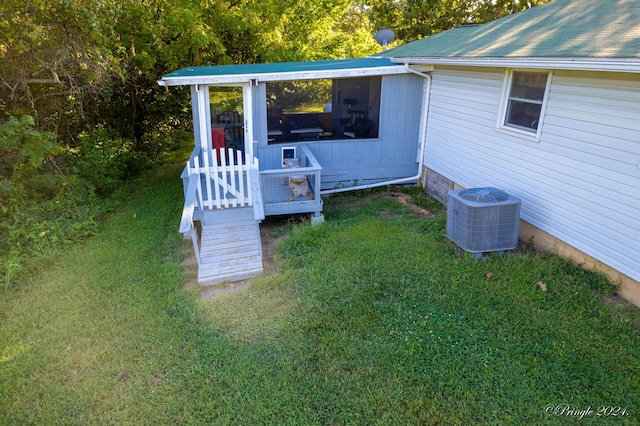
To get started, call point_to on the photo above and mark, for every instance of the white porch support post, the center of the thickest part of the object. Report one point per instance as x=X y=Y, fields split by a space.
x=249 y=137
x=203 y=135
x=204 y=122
x=195 y=115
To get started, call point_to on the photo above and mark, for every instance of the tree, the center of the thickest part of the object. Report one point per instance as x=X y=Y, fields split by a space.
x=53 y=61
x=415 y=19
x=152 y=38
x=328 y=29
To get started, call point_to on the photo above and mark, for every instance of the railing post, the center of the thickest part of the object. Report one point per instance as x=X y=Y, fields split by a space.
x=244 y=198
x=256 y=192
x=231 y=167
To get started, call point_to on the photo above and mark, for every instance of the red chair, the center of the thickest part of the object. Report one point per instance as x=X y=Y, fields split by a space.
x=218 y=139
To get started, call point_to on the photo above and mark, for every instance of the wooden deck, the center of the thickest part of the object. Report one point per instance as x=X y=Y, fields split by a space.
x=229 y=197
x=231 y=249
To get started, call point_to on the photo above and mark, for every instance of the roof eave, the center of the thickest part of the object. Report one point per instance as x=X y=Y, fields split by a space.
x=631 y=65
x=281 y=76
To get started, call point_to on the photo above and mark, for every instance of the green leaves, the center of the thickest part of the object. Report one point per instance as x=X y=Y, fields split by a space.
x=415 y=19
x=22 y=147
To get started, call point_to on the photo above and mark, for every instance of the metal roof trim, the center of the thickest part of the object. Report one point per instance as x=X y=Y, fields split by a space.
x=631 y=65
x=228 y=74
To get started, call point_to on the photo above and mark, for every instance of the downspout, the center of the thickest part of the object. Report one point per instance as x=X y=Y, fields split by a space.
x=426 y=96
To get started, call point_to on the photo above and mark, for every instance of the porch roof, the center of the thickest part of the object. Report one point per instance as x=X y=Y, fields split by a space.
x=281 y=71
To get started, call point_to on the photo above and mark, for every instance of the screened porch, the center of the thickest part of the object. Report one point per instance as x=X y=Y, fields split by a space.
x=226 y=178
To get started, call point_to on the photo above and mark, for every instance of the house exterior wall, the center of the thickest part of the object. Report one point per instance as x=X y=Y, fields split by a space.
x=579 y=183
x=350 y=162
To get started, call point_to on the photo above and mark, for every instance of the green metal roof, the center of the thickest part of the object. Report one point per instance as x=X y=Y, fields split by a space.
x=276 y=71
x=559 y=29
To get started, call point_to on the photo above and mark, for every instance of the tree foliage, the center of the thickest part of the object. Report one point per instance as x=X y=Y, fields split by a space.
x=75 y=64
x=22 y=148
x=54 y=64
x=415 y=19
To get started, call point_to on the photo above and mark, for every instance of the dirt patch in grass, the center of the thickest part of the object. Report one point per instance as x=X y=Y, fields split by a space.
x=405 y=200
x=223 y=289
x=623 y=308
x=271 y=237
x=270 y=234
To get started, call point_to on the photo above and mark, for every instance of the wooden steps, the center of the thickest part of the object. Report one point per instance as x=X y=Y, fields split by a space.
x=230 y=246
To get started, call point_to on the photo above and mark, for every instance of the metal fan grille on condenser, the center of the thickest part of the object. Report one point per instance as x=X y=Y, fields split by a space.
x=482 y=220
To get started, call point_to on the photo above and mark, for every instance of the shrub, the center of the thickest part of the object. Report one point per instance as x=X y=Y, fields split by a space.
x=50 y=196
x=24 y=151
x=23 y=148
x=12 y=194
x=42 y=228
x=105 y=161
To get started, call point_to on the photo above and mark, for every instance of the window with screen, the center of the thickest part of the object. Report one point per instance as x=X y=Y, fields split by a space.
x=525 y=100
x=323 y=109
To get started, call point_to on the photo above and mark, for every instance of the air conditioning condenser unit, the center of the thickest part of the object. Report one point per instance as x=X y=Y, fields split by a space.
x=483 y=219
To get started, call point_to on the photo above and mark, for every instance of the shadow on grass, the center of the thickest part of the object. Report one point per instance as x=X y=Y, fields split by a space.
x=371 y=318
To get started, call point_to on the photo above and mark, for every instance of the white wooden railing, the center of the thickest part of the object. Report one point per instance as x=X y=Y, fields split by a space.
x=219 y=179
x=227 y=180
x=186 y=222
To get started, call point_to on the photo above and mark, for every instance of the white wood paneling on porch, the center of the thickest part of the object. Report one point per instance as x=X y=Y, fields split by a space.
x=231 y=247
x=339 y=165
x=580 y=182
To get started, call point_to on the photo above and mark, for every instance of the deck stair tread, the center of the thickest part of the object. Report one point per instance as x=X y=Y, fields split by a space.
x=231 y=249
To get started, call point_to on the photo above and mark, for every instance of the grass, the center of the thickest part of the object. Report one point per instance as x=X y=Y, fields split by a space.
x=374 y=318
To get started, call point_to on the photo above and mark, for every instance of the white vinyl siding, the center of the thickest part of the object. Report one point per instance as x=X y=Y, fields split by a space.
x=580 y=183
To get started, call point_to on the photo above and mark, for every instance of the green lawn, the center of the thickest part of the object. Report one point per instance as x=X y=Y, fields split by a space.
x=374 y=318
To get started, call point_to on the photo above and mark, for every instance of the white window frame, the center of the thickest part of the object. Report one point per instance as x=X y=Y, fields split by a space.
x=506 y=98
